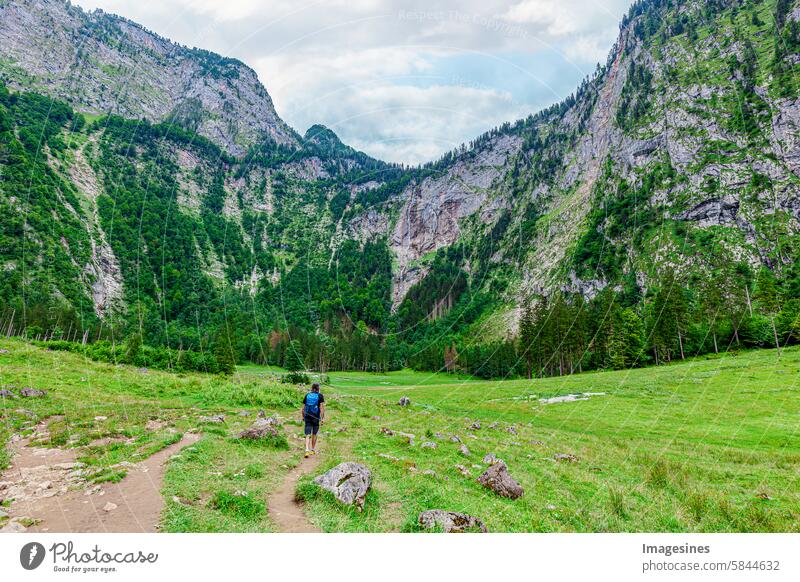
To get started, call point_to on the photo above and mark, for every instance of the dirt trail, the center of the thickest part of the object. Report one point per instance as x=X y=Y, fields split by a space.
x=42 y=478
x=287 y=513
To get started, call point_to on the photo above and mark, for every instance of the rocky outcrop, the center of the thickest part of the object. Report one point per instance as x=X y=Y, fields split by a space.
x=498 y=479
x=714 y=211
x=450 y=521
x=349 y=482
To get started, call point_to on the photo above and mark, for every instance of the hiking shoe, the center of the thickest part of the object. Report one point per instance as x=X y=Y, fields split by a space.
x=308 y=454
x=313 y=452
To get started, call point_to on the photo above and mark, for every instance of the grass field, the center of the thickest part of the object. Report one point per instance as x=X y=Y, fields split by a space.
x=705 y=445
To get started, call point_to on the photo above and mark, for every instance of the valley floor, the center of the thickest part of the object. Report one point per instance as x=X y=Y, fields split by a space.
x=709 y=445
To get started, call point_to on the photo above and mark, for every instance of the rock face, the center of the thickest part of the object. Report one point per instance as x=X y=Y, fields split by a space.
x=117 y=66
x=349 y=482
x=450 y=521
x=500 y=481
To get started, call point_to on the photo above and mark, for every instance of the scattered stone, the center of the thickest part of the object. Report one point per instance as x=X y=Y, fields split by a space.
x=494 y=425
x=28 y=392
x=349 y=483
x=404 y=401
x=7 y=394
x=463 y=470
x=429 y=445
x=245 y=413
x=550 y=507
x=764 y=496
x=262 y=414
x=109 y=506
x=429 y=473
x=515 y=444
x=376 y=418
x=4 y=352
x=474 y=426
x=511 y=430
x=500 y=481
x=490 y=459
x=450 y=521
x=567 y=457
x=536 y=443
x=390 y=457
x=143 y=370
x=214 y=419
x=100 y=418
x=387 y=431
x=438 y=435
x=25 y=412
x=455 y=439
x=406 y=435
x=464 y=450
x=3 y=514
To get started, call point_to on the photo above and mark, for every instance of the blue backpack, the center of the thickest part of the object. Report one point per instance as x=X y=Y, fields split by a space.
x=312 y=404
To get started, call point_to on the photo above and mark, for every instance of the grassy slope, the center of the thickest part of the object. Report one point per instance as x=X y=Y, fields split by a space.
x=687 y=447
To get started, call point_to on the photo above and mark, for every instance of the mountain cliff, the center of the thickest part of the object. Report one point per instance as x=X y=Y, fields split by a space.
x=101 y=63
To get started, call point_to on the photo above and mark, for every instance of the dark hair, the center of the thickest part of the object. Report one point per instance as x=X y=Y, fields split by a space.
x=315 y=387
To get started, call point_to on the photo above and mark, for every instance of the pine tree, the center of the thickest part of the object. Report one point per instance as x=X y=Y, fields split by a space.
x=294 y=361
x=223 y=350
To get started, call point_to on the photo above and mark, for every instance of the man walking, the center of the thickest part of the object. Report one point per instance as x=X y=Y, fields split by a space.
x=313 y=415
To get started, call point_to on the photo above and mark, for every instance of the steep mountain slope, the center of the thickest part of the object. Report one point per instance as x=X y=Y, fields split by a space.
x=676 y=165
x=102 y=63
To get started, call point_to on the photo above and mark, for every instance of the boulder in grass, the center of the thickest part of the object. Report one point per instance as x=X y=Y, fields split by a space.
x=474 y=426
x=455 y=439
x=404 y=401
x=450 y=521
x=259 y=430
x=349 y=483
x=500 y=481
x=7 y=394
x=29 y=392
x=511 y=430
x=4 y=352
x=429 y=445
x=213 y=419
x=464 y=450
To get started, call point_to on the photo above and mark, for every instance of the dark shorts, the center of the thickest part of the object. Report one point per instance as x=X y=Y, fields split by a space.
x=312 y=425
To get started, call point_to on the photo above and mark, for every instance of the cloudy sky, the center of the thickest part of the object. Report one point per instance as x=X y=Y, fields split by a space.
x=403 y=81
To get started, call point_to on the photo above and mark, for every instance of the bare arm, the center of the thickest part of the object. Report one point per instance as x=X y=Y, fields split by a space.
x=322 y=412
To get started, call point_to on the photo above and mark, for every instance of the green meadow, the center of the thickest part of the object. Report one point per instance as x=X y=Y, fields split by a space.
x=709 y=445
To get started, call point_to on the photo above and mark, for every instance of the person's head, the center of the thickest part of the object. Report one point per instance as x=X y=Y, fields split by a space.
x=315 y=387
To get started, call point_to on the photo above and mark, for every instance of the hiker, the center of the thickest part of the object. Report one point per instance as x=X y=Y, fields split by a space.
x=313 y=415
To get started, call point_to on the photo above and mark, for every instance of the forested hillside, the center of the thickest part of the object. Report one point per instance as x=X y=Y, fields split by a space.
x=650 y=216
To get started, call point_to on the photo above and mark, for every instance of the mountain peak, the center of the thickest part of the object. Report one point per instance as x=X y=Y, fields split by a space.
x=121 y=67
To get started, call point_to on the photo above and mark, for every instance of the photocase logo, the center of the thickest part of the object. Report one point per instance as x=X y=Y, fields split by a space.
x=31 y=555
